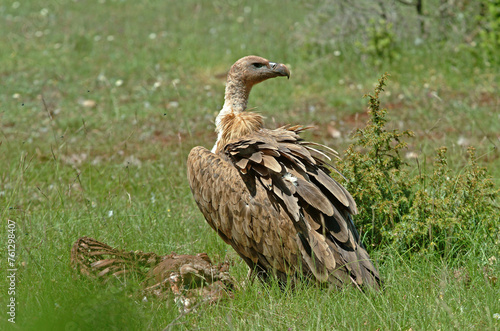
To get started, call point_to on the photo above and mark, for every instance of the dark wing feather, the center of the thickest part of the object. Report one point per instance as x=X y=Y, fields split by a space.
x=285 y=193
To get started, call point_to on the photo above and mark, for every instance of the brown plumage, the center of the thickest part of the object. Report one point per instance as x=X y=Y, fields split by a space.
x=269 y=194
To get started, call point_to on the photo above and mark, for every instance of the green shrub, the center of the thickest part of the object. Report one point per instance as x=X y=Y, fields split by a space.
x=437 y=210
x=489 y=29
x=380 y=46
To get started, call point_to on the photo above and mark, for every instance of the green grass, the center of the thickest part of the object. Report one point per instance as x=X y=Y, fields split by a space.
x=101 y=102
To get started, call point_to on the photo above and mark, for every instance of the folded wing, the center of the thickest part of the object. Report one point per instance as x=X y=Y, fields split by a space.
x=270 y=196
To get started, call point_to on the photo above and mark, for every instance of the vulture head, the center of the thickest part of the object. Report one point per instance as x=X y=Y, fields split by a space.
x=252 y=70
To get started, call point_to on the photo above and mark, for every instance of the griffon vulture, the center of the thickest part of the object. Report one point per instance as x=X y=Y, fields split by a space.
x=269 y=194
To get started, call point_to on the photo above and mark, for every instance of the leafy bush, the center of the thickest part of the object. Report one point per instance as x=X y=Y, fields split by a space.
x=391 y=30
x=438 y=210
x=381 y=45
x=489 y=29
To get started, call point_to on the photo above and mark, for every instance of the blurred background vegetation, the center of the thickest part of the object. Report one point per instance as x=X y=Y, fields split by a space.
x=103 y=99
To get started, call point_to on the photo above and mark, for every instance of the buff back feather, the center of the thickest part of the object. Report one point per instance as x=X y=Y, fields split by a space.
x=236 y=125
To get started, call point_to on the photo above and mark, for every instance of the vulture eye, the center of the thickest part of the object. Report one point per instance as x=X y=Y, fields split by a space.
x=258 y=65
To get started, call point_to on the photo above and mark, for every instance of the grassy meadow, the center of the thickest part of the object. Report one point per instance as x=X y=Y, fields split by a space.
x=101 y=102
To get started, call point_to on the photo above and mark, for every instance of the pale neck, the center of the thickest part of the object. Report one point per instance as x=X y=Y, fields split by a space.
x=236 y=96
x=235 y=101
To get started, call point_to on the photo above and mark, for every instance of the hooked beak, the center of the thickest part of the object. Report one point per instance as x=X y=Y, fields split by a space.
x=280 y=69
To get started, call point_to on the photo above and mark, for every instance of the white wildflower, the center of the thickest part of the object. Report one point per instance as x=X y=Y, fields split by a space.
x=173 y=104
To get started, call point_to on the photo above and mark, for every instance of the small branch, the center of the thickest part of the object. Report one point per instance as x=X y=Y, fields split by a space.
x=46 y=108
